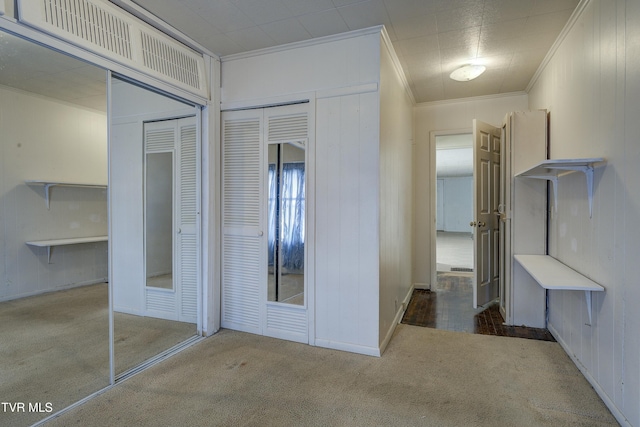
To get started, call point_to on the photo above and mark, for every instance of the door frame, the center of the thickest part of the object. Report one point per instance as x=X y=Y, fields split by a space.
x=433 y=198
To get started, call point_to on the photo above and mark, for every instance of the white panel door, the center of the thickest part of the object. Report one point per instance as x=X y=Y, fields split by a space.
x=243 y=254
x=486 y=234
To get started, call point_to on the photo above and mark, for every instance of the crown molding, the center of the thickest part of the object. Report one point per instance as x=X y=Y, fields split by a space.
x=304 y=43
x=470 y=99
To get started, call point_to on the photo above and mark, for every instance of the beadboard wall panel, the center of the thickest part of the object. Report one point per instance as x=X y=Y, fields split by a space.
x=45 y=139
x=591 y=89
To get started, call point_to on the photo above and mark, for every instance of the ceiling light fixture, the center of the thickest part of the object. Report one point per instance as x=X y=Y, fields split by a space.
x=467 y=72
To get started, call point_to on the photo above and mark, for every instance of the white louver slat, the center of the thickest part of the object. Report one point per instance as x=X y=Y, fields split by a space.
x=114 y=34
x=188 y=239
x=288 y=128
x=241 y=220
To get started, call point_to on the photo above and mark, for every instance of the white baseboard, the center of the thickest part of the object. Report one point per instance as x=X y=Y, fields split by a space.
x=397 y=319
x=60 y=288
x=596 y=386
x=352 y=348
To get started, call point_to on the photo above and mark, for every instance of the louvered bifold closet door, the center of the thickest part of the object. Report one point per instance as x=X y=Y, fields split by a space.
x=287 y=125
x=243 y=244
x=188 y=260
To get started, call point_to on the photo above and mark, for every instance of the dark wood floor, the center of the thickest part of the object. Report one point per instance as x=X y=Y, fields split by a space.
x=450 y=306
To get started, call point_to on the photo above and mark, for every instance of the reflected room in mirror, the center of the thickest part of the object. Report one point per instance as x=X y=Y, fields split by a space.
x=54 y=303
x=286 y=223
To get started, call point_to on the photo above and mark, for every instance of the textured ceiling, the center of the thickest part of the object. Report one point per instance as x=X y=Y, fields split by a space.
x=36 y=69
x=431 y=37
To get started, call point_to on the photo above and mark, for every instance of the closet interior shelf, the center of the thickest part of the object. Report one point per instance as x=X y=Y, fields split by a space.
x=552 y=169
x=62 y=242
x=48 y=184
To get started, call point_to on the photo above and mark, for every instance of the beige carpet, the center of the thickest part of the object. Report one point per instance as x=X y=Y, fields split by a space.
x=54 y=348
x=426 y=377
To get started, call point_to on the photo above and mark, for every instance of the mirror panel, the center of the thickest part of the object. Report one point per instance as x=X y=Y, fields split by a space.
x=159 y=220
x=146 y=130
x=286 y=223
x=54 y=299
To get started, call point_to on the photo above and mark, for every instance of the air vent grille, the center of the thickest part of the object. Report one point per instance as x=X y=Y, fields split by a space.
x=91 y=23
x=112 y=33
x=166 y=59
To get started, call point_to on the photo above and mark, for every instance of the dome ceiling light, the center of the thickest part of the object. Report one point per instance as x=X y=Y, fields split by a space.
x=467 y=72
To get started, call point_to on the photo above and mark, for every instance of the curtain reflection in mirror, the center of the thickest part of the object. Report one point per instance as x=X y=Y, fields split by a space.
x=286 y=223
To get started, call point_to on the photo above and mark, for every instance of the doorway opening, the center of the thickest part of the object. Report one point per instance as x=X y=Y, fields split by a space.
x=451 y=291
x=454 y=202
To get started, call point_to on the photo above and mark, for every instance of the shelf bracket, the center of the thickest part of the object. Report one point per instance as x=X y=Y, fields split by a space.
x=587 y=297
x=588 y=173
x=47 y=194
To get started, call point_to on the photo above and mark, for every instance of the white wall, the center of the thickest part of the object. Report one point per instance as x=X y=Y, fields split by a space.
x=45 y=139
x=456 y=202
x=396 y=192
x=342 y=75
x=591 y=88
x=338 y=62
x=445 y=116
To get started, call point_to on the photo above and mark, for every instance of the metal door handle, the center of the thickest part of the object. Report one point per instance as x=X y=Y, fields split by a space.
x=481 y=224
x=260 y=233
x=472 y=223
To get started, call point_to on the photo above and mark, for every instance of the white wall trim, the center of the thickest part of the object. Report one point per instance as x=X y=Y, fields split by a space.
x=351 y=348
x=348 y=90
x=396 y=63
x=303 y=43
x=396 y=320
x=605 y=398
x=274 y=101
x=556 y=44
x=59 y=288
x=470 y=99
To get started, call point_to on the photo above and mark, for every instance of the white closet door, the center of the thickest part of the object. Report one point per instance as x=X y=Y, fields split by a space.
x=243 y=252
x=180 y=137
x=289 y=124
x=187 y=239
x=161 y=137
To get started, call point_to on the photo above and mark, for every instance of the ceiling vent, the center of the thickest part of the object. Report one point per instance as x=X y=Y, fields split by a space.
x=110 y=32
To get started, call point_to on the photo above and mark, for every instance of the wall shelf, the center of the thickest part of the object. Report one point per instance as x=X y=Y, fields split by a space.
x=552 y=169
x=63 y=242
x=552 y=274
x=48 y=184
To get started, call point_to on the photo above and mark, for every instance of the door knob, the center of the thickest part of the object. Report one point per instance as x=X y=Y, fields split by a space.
x=472 y=223
x=260 y=233
x=481 y=224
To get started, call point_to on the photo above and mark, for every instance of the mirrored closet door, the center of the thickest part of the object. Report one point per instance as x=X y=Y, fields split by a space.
x=155 y=223
x=54 y=301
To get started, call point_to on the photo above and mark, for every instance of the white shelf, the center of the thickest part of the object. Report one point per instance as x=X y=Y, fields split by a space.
x=552 y=274
x=63 y=242
x=48 y=184
x=552 y=169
